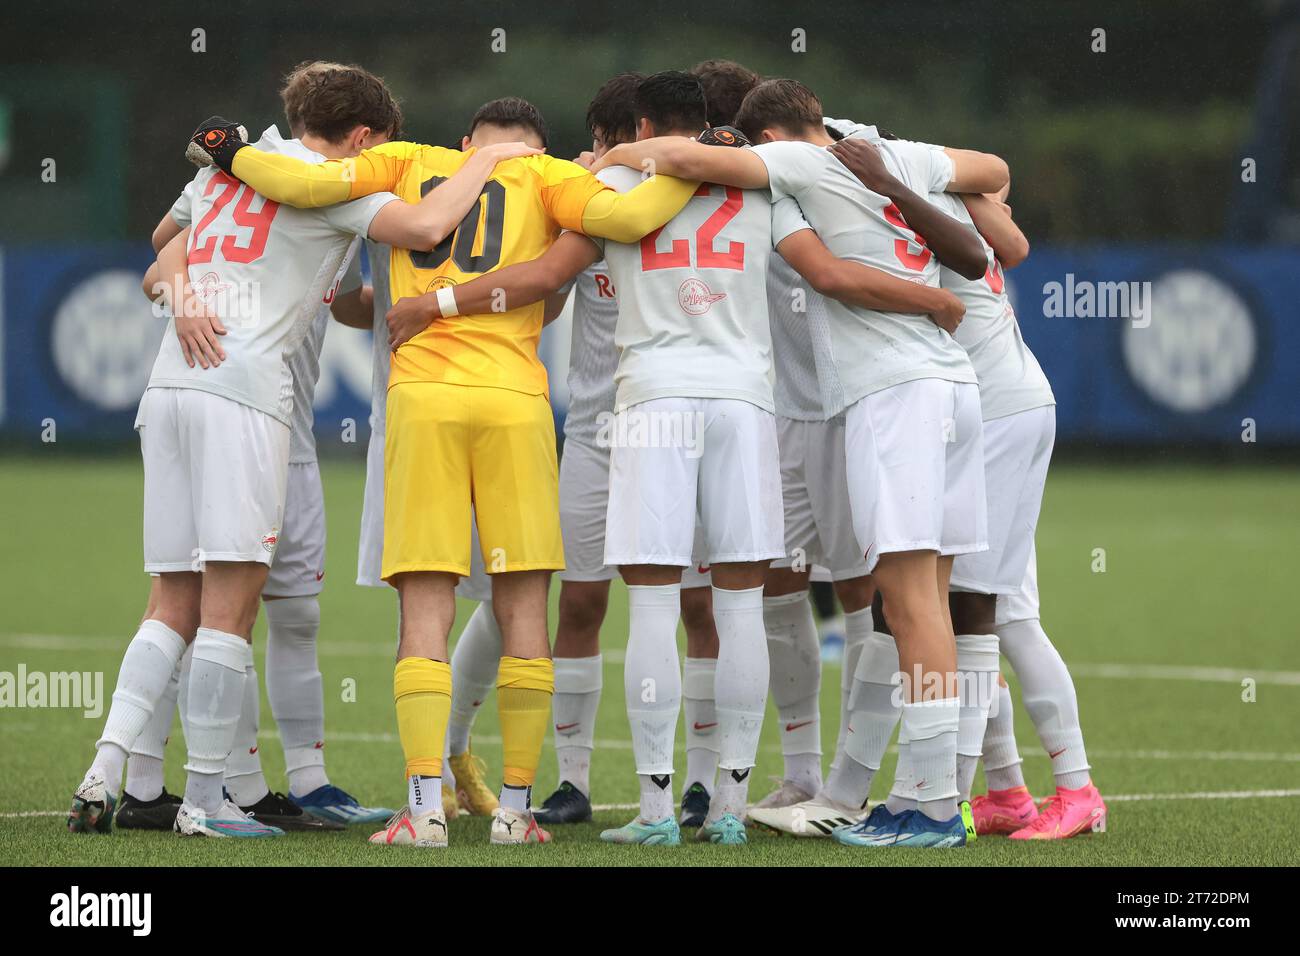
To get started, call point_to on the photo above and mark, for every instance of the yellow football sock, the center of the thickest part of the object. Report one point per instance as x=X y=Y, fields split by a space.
x=524 y=689
x=422 y=693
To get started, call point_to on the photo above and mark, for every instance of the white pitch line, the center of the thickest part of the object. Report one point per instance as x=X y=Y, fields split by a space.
x=1216 y=675
x=1110 y=798
x=1029 y=750
x=1204 y=795
x=614 y=657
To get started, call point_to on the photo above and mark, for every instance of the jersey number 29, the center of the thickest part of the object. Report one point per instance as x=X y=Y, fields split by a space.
x=202 y=250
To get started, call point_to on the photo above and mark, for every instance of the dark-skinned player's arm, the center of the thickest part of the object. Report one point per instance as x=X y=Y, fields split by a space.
x=955 y=244
x=554 y=306
x=685 y=158
x=296 y=182
x=854 y=283
x=355 y=309
x=504 y=289
x=993 y=220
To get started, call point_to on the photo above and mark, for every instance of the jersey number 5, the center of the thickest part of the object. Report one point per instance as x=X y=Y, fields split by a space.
x=915 y=261
x=259 y=222
x=459 y=246
x=706 y=256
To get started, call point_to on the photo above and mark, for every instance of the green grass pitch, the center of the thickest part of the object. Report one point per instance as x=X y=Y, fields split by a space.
x=1192 y=601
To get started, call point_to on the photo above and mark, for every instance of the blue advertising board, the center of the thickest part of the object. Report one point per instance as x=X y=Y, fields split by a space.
x=1143 y=344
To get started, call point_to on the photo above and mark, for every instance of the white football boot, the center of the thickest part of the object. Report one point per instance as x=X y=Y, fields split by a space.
x=513 y=827
x=428 y=830
x=227 y=821
x=811 y=818
x=787 y=793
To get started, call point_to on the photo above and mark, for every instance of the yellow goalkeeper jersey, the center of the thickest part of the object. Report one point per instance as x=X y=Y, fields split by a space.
x=520 y=212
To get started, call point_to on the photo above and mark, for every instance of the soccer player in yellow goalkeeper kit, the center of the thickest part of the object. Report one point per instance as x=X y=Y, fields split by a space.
x=469 y=423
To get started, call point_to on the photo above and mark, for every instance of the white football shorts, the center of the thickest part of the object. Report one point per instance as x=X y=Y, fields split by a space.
x=1017 y=450
x=676 y=460
x=299 y=566
x=915 y=466
x=584 y=506
x=214 y=479
x=1023 y=604
x=815 y=488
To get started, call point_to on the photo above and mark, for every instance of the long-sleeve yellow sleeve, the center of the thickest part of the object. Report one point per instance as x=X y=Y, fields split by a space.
x=626 y=217
x=296 y=182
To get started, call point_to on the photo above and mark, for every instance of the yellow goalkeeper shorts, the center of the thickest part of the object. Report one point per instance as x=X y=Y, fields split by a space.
x=452 y=446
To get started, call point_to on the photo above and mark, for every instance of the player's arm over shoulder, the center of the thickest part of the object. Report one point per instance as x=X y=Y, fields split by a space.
x=577 y=200
x=993 y=219
x=297 y=182
x=976 y=172
x=687 y=159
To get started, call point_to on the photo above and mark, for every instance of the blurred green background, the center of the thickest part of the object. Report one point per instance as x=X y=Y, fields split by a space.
x=1141 y=142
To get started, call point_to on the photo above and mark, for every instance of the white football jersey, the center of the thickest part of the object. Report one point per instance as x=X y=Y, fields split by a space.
x=304 y=362
x=593 y=356
x=692 y=299
x=381 y=355
x=801 y=349
x=264 y=268
x=871 y=350
x=1010 y=378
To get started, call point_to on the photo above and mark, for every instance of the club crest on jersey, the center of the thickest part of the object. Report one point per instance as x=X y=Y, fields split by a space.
x=210 y=287
x=270 y=540
x=696 y=298
x=238 y=303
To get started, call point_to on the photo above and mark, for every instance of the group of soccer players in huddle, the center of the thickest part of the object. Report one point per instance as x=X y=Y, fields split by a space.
x=860 y=406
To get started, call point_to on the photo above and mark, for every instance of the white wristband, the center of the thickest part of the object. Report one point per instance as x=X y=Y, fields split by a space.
x=447 y=301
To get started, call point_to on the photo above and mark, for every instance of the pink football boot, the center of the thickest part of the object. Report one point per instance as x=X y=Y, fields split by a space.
x=1067 y=814
x=1003 y=811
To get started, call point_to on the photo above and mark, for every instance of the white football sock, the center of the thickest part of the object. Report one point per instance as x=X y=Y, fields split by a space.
x=858 y=626
x=1001 y=755
x=902 y=795
x=656 y=796
x=977 y=686
x=795 y=671
x=578 y=681
x=183 y=692
x=932 y=746
x=474 y=663
x=423 y=794
x=698 y=682
x=1048 y=694
x=213 y=702
x=515 y=798
x=652 y=680
x=147 y=668
x=144 y=768
x=873 y=713
x=244 y=780
x=732 y=795
x=295 y=690
x=740 y=692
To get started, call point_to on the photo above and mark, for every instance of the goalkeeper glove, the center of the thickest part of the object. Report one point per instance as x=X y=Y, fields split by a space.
x=215 y=142
x=723 y=136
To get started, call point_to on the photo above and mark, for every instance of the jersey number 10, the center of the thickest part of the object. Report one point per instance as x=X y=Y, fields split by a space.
x=459 y=246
